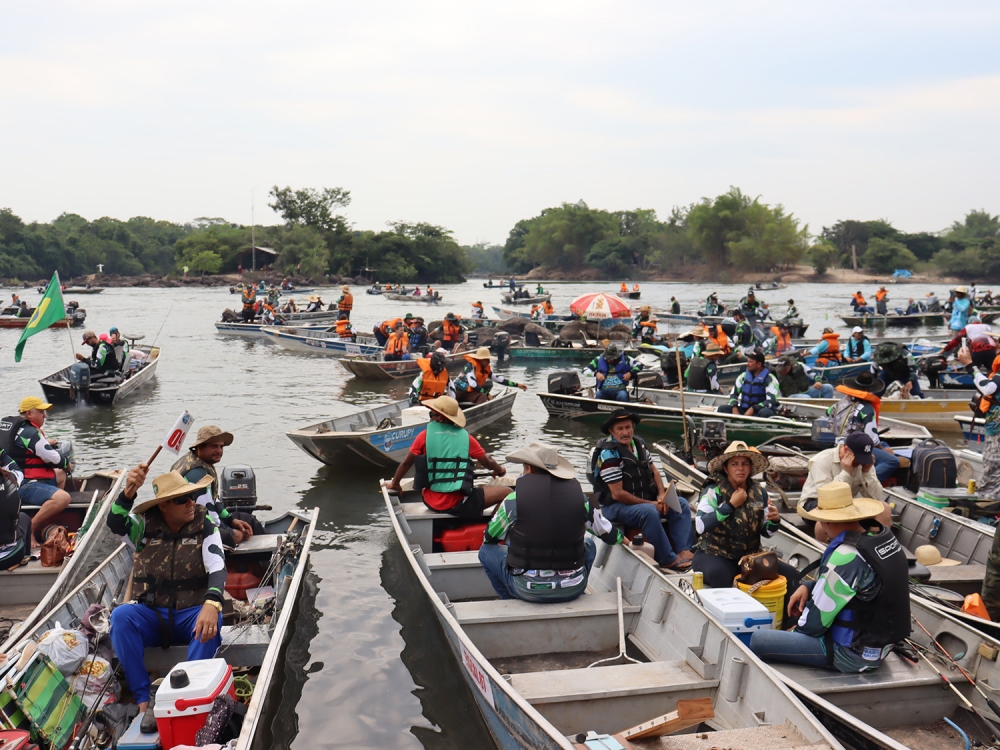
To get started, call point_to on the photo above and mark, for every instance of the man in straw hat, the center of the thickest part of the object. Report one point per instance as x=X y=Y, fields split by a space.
x=545 y=521
x=702 y=374
x=442 y=457
x=645 y=312
x=858 y=607
x=345 y=303
x=756 y=391
x=178 y=574
x=474 y=383
x=198 y=462
x=858 y=411
x=629 y=488
x=315 y=303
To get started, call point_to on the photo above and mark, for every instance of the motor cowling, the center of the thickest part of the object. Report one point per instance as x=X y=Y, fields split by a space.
x=238 y=486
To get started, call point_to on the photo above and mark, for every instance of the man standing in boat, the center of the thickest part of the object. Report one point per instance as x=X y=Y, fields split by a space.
x=545 y=521
x=249 y=299
x=345 y=303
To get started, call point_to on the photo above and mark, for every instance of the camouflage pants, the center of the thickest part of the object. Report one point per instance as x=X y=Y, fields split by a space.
x=989 y=488
x=989 y=482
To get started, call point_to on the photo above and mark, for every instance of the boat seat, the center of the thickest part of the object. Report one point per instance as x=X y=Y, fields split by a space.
x=243 y=645
x=947 y=575
x=257 y=544
x=420 y=512
x=513 y=610
x=616 y=681
x=459 y=575
x=893 y=673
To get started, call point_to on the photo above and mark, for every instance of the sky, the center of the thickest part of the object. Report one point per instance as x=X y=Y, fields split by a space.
x=473 y=116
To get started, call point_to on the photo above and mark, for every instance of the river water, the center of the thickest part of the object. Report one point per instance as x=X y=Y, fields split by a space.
x=367 y=665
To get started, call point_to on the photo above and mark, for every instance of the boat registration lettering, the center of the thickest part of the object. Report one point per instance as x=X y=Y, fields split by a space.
x=478 y=676
x=353 y=349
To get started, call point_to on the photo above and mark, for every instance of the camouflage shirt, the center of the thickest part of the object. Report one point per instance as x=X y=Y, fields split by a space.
x=731 y=532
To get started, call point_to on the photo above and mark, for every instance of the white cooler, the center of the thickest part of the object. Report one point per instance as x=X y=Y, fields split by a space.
x=739 y=612
x=415 y=415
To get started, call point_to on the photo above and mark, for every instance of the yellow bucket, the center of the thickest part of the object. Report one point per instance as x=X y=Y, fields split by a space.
x=772 y=596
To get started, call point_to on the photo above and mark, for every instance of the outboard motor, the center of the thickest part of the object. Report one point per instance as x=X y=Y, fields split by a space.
x=238 y=487
x=79 y=382
x=501 y=343
x=712 y=439
x=649 y=380
x=565 y=383
x=671 y=374
x=822 y=432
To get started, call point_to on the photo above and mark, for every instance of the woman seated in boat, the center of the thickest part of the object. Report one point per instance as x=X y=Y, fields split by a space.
x=734 y=512
x=858 y=607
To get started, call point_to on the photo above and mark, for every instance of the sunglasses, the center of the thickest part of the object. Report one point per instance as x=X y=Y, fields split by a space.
x=184 y=500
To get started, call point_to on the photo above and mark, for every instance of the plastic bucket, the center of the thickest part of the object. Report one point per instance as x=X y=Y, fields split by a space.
x=772 y=596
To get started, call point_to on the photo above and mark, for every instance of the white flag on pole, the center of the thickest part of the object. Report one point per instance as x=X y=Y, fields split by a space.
x=175 y=438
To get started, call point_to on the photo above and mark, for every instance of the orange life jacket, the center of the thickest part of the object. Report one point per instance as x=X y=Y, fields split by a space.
x=477 y=306
x=635 y=288
x=388 y=326
x=452 y=331
x=547 y=308
x=482 y=369
x=722 y=340
x=832 y=353
x=784 y=342
x=398 y=343
x=880 y=295
x=346 y=303
x=432 y=385
x=985 y=402
x=860 y=299
x=625 y=288
x=871 y=398
x=344 y=329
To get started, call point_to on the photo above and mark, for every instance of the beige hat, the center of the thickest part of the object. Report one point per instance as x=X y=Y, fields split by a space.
x=480 y=353
x=448 y=408
x=314 y=298
x=345 y=288
x=928 y=554
x=701 y=332
x=645 y=309
x=545 y=457
x=211 y=432
x=739 y=448
x=962 y=289
x=835 y=503
x=711 y=350
x=170 y=485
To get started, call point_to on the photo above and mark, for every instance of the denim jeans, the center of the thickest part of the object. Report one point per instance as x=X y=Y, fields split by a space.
x=621 y=395
x=493 y=558
x=37 y=491
x=885 y=464
x=824 y=391
x=678 y=537
x=788 y=647
x=758 y=411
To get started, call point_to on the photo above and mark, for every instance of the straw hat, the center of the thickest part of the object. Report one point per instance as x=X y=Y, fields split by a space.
x=448 y=408
x=739 y=448
x=211 y=432
x=545 y=457
x=711 y=350
x=698 y=332
x=314 y=298
x=647 y=308
x=928 y=554
x=835 y=503
x=170 y=485
x=961 y=289
x=480 y=353
x=345 y=289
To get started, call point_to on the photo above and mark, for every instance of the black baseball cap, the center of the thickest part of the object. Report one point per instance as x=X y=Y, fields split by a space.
x=756 y=354
x=861 y=446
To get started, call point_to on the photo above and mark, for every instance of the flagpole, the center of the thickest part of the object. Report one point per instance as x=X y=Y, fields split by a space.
x=69 y=333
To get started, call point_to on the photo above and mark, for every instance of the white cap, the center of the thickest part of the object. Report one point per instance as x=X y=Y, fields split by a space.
x=857 y=329
x=441 y=350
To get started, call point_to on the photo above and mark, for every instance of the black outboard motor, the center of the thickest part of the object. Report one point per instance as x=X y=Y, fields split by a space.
x=672 y=375
x=822 y=432
x=238 y=487
x=565 y=383
x=79 y=382
x=712 y=440
x=649 y=380
x=501 y=344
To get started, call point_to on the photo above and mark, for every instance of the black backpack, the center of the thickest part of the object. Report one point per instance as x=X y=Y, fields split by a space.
x=933 y=465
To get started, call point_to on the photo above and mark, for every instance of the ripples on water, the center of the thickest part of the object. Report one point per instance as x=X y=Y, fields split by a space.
x=367 y=665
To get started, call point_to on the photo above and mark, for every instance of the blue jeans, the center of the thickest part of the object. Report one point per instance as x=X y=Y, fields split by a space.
x=788 y=647
x=824 y=391
x=493 y=558
x=36 y=492
x=885 y=464
x=621 y=395
x=678 y=537
x=864 y=310
x=135 y=627
x=758 y=410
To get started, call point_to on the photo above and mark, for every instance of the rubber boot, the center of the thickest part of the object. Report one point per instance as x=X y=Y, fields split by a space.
x=148 y=723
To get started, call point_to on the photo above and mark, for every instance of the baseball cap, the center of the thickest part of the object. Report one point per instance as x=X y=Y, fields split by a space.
x=857 y=329
x=32 y=402
x=87 y=335
x=861 y=446
x=756 y=354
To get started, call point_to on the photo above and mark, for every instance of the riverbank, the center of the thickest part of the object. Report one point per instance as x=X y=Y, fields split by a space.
x=170 y=281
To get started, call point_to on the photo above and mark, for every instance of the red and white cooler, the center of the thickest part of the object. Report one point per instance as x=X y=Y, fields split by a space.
x=184 y=699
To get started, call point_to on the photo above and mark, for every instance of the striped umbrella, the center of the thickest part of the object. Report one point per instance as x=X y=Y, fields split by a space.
x=600 y=305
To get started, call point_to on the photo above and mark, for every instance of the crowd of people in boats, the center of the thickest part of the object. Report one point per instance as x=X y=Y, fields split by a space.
x=961 y=303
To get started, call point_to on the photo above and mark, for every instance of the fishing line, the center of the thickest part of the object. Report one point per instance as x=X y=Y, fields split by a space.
x=165 y=318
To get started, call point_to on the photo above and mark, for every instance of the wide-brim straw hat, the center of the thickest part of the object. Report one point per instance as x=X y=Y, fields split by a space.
x=448 y=408
x=736 y=448
x=211 y=432
x=929 y=555
x=480 y=353
x=545 y=457
x=835 y=503
x=314 y=298
x=647 y=308
x=699 y=332
x=711 y=350
x=168 y=486
x=961 y=289
x=345 y=288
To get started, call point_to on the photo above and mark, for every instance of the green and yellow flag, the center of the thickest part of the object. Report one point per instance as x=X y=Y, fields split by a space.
x=50 y=310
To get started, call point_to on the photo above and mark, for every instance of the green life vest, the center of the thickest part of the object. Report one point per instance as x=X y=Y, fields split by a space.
x=449 y=467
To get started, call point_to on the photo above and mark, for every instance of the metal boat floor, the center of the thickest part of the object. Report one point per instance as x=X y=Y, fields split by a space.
x=779 y=737
x=553 y=662
x=18 y=612
x=937 y=734
x=893 y=673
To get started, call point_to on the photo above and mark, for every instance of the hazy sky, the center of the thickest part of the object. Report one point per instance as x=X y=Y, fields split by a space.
x=474 y=115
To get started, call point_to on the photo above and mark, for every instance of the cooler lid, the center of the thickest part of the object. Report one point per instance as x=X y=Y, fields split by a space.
x=204 y=679
x=727 y=604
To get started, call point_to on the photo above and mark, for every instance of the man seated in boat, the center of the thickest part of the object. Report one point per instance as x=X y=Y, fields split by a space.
x=474 y=383
x=417 y=332
x=858 y=411
x=290 y=307
x=545 y=520
x=859 y=347
x=780 y=339
x=443 y=456
x=624 y=288
x=198 y=462
x=433 y=380
x=702 y=374
x=795 y=380
x=451 y=332
x=645 y=313
x=860 y=305
x=756 y=391
x=43 y=468
x=629 y=488
x=749 y=305
x=123 y=351
x=345 y=331
x=477 y=311
x=792 y=311
x=743 y=332
x=15 y=525
x=851 y=462
x=178 y=576
x=547 y=308
x=912 y=308
x=102 y=359
x=613 y=370
x=397 y=346
x=315 y=303
x=858 y=607
x=827 y=351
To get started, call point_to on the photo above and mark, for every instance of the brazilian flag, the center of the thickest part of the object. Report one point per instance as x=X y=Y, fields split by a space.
x=50 y=310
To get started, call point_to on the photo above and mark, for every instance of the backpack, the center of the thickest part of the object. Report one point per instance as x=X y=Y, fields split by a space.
x=933 y=465
x=888 y=352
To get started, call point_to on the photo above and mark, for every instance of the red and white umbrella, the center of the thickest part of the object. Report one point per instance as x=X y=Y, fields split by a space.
x=600 y=305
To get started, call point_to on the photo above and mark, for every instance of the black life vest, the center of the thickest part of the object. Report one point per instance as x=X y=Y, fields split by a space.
x=856 y=348
x=170 y=570
x=190 y=461
x=637 y=476
x=32 y=466
x=550 y=525
x=697 y=377
x=10 y=509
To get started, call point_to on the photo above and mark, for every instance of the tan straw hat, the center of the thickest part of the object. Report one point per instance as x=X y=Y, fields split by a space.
x=545 y=457
x=210 y=432
x=645 y=309
x=962 y=289
x=835 y=503
x=699 y=331
x=170 y=485
x=480 y=353
x=314 y=298
x=928 y=554
x=345 y=288
x=448 y=408
x=711 y=350
x=739 y=448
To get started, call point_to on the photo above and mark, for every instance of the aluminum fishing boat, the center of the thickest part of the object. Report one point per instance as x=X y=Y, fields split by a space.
x=76 y=384
x=373 y=367
x=321 y=341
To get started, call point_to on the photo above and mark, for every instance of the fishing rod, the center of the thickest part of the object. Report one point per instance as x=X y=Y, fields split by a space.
x=165 y=318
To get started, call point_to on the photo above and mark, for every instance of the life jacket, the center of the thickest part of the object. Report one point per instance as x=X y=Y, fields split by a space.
x=722 y=340
x=697 y=375
x=637 y=476
x=885 y=620
x=249 y=296
x=739 y=534
x=880 y=295
x=860 y=300
x=635 y=288
x=550 y=527
x=754 y=391
x=169 y=571
x=624 y=288
x=548 y=308
x=344 y=329
x=478 y=307
x=398 y=343
x=32 y=466
x=622 y=366
x=10 y=509
x=832 y=353
x=445 y=465
x=856 y=348
x=484 y=376
x=190 y=461
x=346 y=302
x=388 y=327
x=451 y=331
x=844 y=408
x=432 y=385
x=783 y=341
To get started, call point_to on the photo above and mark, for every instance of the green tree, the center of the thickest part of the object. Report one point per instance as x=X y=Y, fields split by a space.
x=313 y=208
x=206 y=262
x=822 y=256
x=315 y=262
x=561 y=237
x=713 y=224
x=884 y=256
x=977 y=225
x=486 y=259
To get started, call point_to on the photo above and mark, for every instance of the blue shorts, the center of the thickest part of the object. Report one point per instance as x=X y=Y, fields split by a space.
x=37 y=491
